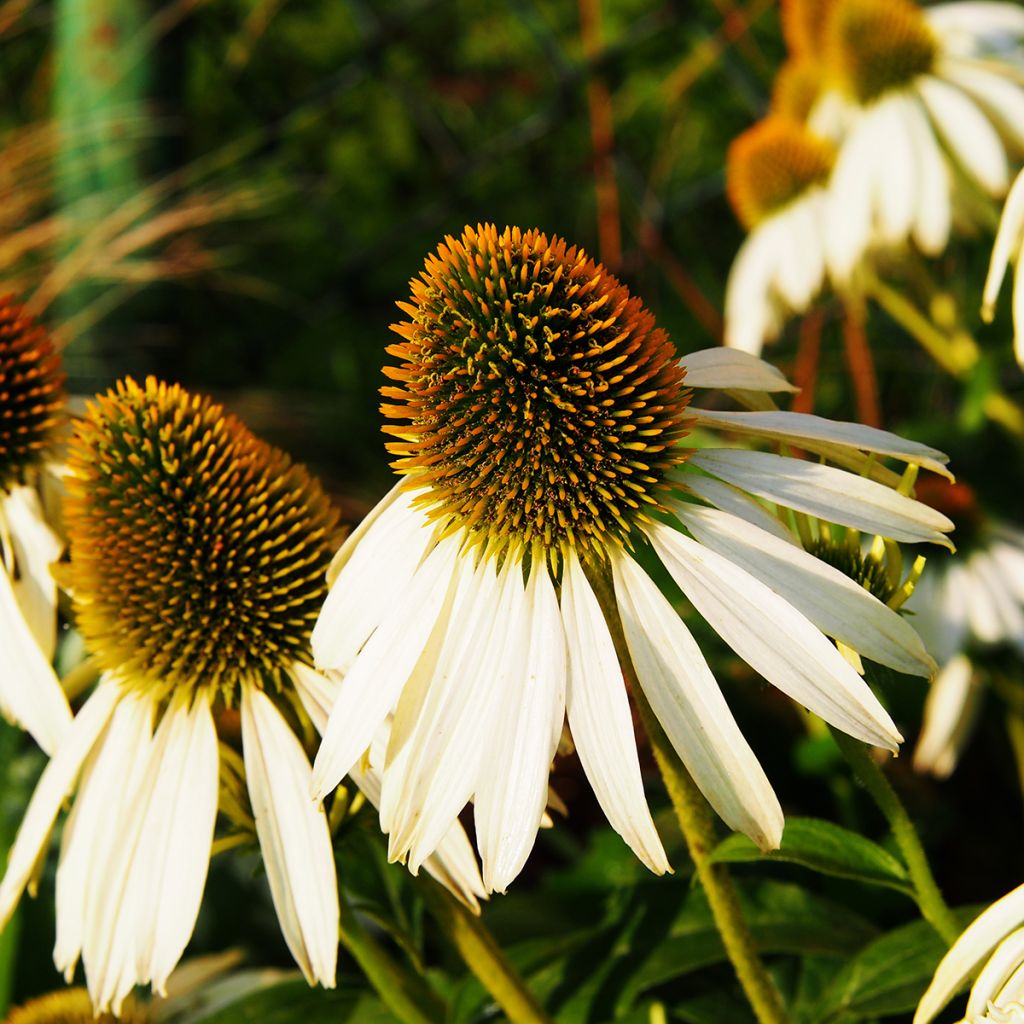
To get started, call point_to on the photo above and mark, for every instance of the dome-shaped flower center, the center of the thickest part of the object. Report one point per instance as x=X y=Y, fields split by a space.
x=797 y=87
x=542 y=402
x=31 y=392
x=878 y=45
x=862 y=567
x=771 y=164
x=72 y=1006
x=198 y=552
x=803 y=25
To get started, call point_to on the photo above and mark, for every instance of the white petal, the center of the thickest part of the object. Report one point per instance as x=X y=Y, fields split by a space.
x=732 y=499
x=748 y=312
x=689 y=705
x=512 y=796
x=896 y=193
x=975 y=20
x=317 y=693
x=794 y=274
x=56 y=782
x=371 y=688
x=90 y=832
x=934 y=207
x=940 y=611
x=967 y=132
x=999 y=94
x=373 y=575
x=774 y=638
x=815 y=433
x=30 y=693
x=850 y=215
x=601 y=722
x=1008 y=242
x=830 y=494
x=173 y=854
x=979 y=939
x=1007 y=958
x=458 y=724
x=949 y=713
x=837 y=605
x=36 y=548
x=1018 y=309
x=728 y=369
x=294 y=838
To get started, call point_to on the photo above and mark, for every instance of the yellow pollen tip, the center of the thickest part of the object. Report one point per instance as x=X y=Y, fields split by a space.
x=198 y=551
x=771 y=164
x=540 y=401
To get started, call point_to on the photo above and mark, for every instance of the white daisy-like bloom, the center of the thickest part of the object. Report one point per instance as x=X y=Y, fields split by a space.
x=196 y=571
x=31 y=405
x=1009 y=246
x=965 y=603
x=994 y=941
x=776 y=176
x=923 y=104
x=543 y=453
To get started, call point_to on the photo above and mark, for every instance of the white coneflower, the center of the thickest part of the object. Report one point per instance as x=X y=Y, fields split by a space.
x=1009 y=246
x=995 y=938
x=775 y=175
x=197 y=567
x=31 y=404
x=923 y=103
x=543 y=450
x=963 y=603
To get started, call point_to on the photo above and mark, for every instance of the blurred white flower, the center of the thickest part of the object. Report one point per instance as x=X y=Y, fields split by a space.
x=544 y=448
x=776 y=175
x=963 y=602
x=1009 y=246
x=996 y=938
x=922 y=103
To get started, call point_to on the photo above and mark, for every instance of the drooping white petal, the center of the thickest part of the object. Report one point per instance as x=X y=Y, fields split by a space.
x=999 y=94
x=1007 y=611
x=895 y=193
x=748 y=312
x=56 y=782
x=830 y=494
x=795 y=273
x=370 y=580
x=837 y=605
x=966 y=25
x=454 y=863
x=36 y=548
x=294 y=838
x=317 y=692
x=1018 y=309
x=90 y=832
x=774 y=638
x=1007 y=243
x=849 y=220
x=1007 y=958
x=512 y=795
x=949 y=713
x=173 y=854
x=728 y=369
x=978 y=940
x=601 y=722
x=689 y=705
x=731 y=499
x=939 y=608
x=934 y=206
x=821 y=435
x=967 y=132
x=30 y=693
x=371 y=688
x=457 y=728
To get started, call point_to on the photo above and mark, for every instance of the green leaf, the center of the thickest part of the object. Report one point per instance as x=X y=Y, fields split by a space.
x=824 y=847
x=888 y=976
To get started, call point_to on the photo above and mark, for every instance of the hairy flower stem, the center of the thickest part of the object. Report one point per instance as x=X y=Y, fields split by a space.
x=957 y=355
x=483 y=956
x=933 y=907
x=697 y=823
x=404 y=994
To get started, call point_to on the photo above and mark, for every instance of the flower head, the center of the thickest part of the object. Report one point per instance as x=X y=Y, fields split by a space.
x=72 y=1006
x=31 y=409
x=775 y=178
x=197 y=560
x=542 y=453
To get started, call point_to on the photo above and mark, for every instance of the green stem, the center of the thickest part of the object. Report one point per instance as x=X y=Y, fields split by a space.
x=408 y=998
x=697 y=822
x=929 y=899
x=483 y=956
x=957 y=354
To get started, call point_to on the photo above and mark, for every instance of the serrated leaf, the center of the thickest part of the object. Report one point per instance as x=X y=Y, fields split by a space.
x=826 y=848
x=888 y=976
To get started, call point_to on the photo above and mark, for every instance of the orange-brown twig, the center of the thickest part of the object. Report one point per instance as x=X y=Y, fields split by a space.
x=861 y=364
x=808 y=357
